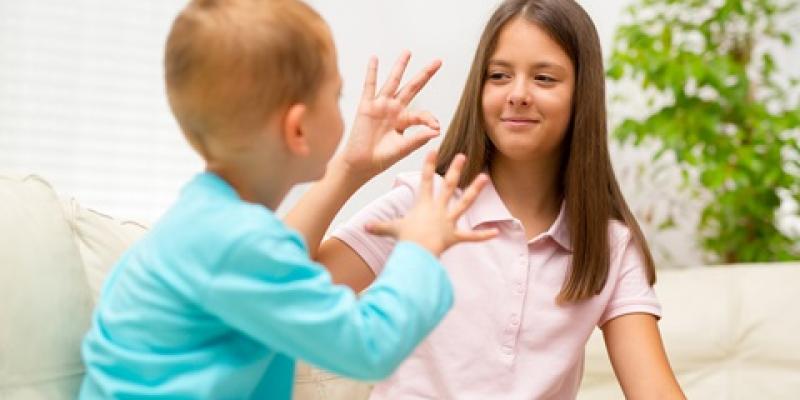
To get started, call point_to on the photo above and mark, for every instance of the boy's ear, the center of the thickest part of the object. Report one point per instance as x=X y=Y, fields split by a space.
x=292 y=133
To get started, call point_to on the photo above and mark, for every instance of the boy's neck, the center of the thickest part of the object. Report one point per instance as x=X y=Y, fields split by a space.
x=254 y=182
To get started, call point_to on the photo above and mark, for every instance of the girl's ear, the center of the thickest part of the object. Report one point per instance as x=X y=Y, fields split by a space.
x=292 y=132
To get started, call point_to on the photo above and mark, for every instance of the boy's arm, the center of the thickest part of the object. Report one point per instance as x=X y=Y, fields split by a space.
x=315 y=210
x=312 y=215
x=289 y=305
x=268 y=289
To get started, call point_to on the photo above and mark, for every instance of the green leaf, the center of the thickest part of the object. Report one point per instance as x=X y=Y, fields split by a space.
x=769 y=65
x=725 y=133
x=786 y=38
x=668 y=223
x=615 y=71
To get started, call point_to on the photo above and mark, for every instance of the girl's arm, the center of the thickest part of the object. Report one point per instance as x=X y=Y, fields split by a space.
x=637 y=355
x=345 y=265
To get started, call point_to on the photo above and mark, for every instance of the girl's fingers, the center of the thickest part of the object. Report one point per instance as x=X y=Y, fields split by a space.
x=476 y=236
x=410 y=89
x=470 y=194
x=393 y=81
x=370 y=80
x=428 y=169
x=451 y=179
x=382 y=228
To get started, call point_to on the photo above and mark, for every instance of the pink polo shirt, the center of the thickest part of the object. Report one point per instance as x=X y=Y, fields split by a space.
x=505 y=338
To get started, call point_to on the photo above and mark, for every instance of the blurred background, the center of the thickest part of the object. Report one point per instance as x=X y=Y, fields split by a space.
x=703 y=102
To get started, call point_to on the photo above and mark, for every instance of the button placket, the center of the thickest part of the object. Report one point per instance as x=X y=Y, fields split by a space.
x=520 y=269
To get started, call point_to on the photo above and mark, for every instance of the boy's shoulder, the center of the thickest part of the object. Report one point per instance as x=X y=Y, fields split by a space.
x=210 y=213
x=245 y=222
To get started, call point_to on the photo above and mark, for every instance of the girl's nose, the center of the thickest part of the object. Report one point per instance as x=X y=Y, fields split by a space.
x=519 y=95
x=519 y=100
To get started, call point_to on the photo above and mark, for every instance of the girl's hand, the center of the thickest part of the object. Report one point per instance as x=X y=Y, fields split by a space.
x=377 y=139
x=431 y=223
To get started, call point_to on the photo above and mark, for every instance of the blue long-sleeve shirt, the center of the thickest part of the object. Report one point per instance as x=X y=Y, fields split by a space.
x=220 y=298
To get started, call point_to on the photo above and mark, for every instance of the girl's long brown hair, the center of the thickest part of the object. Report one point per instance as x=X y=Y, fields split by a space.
x=587 y=179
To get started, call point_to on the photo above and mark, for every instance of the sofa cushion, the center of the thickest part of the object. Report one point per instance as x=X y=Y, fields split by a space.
x=47 y=304
x=727 y=331
x=100 y=239
x=315 y=384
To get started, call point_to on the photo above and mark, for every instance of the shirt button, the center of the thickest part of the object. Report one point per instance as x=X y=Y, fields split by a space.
x=520 y=289
x=514 y=320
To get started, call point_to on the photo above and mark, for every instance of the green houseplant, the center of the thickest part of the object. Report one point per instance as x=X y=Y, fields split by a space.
x=722 y=106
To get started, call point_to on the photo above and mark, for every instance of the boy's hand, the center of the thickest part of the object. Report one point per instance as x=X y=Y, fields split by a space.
x=431 y=223
x=377 y=140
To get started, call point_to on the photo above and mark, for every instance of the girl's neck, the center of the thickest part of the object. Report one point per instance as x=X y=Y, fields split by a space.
x=529 y=190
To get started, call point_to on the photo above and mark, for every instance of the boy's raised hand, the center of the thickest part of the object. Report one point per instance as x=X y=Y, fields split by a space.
x=431 y=223
x=377 y=139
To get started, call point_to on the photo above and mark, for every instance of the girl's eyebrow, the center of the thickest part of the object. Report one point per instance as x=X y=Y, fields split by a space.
x=538 y=65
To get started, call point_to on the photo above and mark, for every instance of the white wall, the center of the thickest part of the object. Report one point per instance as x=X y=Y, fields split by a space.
x=82 y=101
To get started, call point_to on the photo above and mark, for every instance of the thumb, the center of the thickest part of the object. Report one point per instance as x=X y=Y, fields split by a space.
x=408 y=119
x=414 y=141
x=476 y=235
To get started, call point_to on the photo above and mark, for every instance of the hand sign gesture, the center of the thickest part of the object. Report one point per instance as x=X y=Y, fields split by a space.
x=377 y=139
x=432 y=222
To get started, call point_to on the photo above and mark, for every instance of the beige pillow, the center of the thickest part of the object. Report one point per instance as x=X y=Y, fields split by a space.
x=101 y=241
x=46 y=303
x=315 y=384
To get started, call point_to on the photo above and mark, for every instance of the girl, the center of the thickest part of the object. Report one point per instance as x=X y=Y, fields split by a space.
x=569 y=255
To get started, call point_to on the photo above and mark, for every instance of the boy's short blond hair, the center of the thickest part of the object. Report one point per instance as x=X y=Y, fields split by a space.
x=231 y=64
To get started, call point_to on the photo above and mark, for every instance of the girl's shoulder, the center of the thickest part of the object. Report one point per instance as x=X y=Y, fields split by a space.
x=623 y=247
x=411 y=180
x=619 y=236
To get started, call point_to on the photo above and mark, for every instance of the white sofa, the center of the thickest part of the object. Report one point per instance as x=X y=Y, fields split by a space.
x=729 y=331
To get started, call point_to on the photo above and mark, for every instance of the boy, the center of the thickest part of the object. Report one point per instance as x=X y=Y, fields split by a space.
x=220 y=297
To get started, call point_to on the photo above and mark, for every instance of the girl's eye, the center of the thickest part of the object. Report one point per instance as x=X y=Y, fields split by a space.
x=496 y=76
x=545 y=78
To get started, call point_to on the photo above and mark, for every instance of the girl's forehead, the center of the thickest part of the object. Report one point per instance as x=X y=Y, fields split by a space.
x=522 y=40
x=520 y=31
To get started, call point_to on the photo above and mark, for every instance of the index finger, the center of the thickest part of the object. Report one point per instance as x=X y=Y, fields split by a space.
x=370 y=80
x=410 y=90
x=469 y=196
x=393 y=81
x=428 y=169
x=451 y=178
